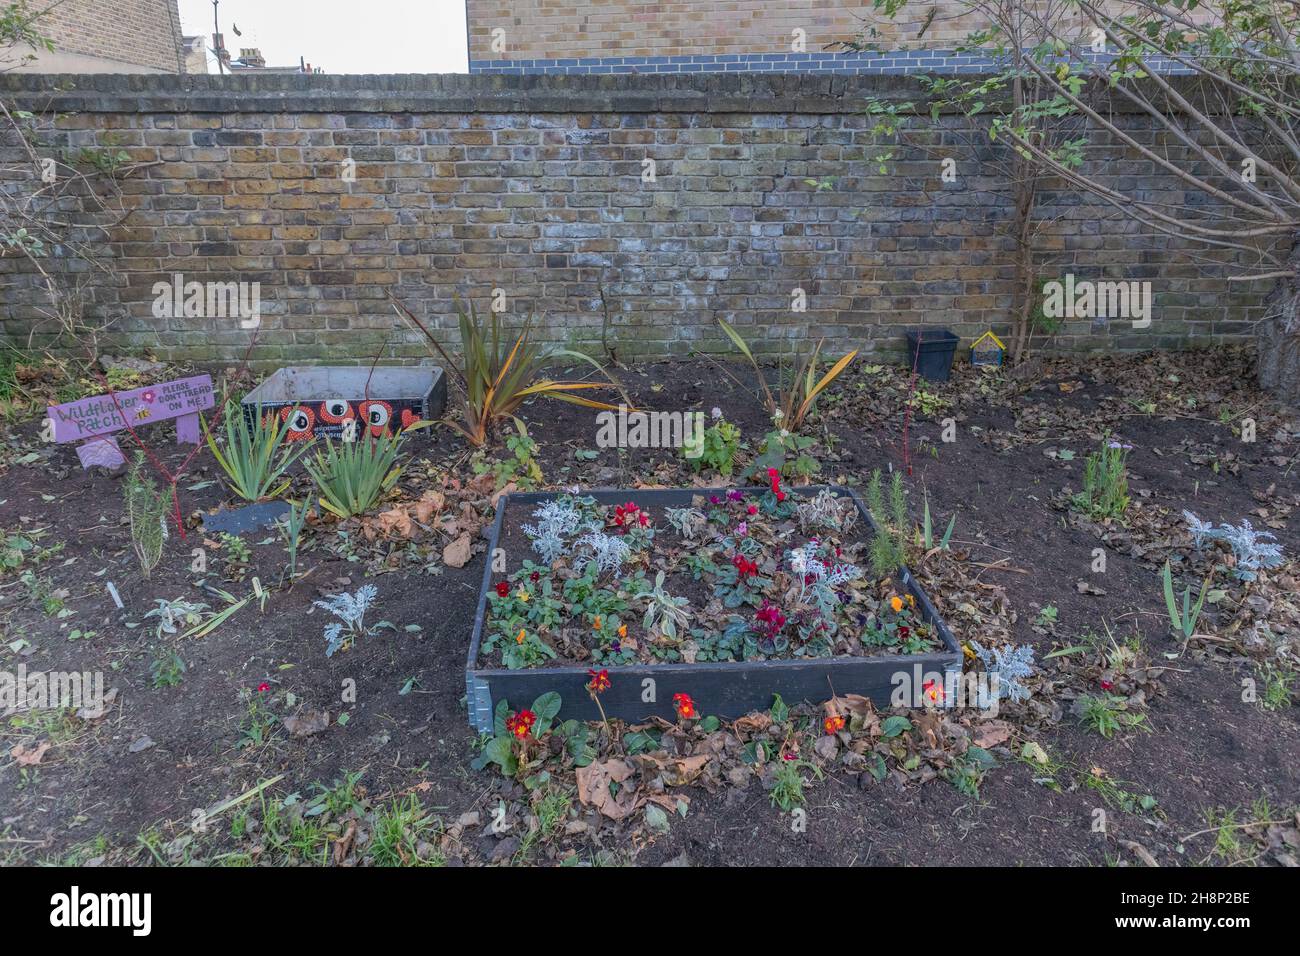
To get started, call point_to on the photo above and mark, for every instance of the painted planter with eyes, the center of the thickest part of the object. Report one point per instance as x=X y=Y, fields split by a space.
x=341 y=401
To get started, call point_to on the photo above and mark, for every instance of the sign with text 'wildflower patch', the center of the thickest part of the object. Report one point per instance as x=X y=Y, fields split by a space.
x=93 y=420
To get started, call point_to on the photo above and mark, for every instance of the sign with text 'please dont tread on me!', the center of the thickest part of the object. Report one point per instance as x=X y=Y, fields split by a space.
x=93 y=420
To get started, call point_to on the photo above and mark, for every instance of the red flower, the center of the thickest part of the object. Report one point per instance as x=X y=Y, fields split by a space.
x=263 y=687
x=752 y=509
x=833 y=724
x=770 y=616
x=933 y=692
x=628 y=514
x=745 y=567
x=519 y=724
x=534 y=577
x=1106 y=685
x=503 y=588
x=684 y=706
x=599 y=682
x=775 y=477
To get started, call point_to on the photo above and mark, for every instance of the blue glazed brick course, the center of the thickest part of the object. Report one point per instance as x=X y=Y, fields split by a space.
x=885 y=62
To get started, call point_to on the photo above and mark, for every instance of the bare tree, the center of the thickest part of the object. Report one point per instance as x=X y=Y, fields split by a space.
x=1218 y=80
x=57 y=205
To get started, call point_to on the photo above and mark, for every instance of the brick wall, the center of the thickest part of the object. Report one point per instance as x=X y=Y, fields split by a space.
x=534 y=185
x=671 y=36
x=544 y=28
x=143 y=33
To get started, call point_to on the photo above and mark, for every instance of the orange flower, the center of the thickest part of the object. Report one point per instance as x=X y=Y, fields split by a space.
x=519 y=638
x=622 y=630
x=933 y=692
x=896 y=603
x=599 y=682
x=833 y=724
x=684 y=706
x=596 y=623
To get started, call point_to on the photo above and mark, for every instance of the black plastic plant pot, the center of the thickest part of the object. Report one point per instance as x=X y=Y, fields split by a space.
x=727 y=690
x=930 y=352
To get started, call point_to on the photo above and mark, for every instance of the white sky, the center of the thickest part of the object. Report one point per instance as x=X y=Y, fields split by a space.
x=341 y=36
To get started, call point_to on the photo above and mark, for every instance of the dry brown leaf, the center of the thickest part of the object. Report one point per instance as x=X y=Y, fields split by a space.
x=430 y=503
x=593 y=788
x=991 y=733
x=306 y=723
x=343 y=846
x=29 y=758
x=752 y=723
x=676 y=771
x=395 y=521
x=456 y=554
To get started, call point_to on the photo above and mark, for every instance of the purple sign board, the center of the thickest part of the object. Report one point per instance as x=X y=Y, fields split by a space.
x=94 y=419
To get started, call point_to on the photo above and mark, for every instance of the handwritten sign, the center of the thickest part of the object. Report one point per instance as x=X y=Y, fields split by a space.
x=93 y=420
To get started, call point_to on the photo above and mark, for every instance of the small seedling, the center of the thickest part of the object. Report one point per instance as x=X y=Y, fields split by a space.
x=1183 y=620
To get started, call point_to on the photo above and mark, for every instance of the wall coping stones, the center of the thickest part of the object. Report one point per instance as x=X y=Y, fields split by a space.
x=461 y=93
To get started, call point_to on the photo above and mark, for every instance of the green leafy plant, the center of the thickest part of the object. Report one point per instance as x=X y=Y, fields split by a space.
x=787 y=783
x=664 y=613
x=968 y=770
x=1108 y=714
x=1105 y=482
x=291 y=531
x=258 y=722
x=238 y=554
x=1182 y=619
x=521 y=467
x=721 y=445
x=927 y=530
x=352 y=476
x=887 y=551
x=787 y=452
x=167 y=669
x=146 y=509
x=255 y=458
x=1279 y=683
x=497 y=377
x=512 y=746
x=173 y=614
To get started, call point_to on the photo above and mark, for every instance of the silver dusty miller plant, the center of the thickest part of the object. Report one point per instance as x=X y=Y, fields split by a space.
x=558 y=520
x=351 y=611
x=818 y=578
x=688 y=522
x=826 y=512
x=1009 y=665
x=609 y=550
x=1253 y=553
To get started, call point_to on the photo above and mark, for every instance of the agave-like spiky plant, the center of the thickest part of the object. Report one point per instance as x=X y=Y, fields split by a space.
x=254 y=459
x=497 y=378
x=794 y=400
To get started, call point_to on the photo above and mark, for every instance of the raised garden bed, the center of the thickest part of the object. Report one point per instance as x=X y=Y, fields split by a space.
x=858 y=656
x=318 y=401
